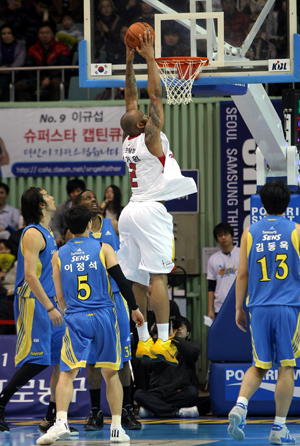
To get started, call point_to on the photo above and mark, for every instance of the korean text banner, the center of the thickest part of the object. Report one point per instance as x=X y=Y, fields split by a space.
x=61 y=142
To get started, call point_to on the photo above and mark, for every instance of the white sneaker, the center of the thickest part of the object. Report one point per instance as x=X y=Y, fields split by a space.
x=144 y=413
x=118 y=435
x=237 y=421
x=57 y=431
x=188 y=412
x=281 y=435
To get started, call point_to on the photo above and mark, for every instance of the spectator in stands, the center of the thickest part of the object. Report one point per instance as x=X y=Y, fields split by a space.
x=69 y=33
x=172 y=391
x=46 y=52
x=111 y=205
x=128 y=9
x=147 y=14
x=252 y=7
x=12 y=54
x=260 y=49
x=28 y=21
x=115 y=47
x=10 y=8
x=58 y=222
x=8 y=265
x=60 y=7
x=107 y=19
x=172 y=43
x=235 y=23
x=276 y=29
x=9 y=216
x=222 y=268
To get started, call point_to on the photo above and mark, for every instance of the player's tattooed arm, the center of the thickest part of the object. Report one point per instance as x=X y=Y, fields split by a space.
x=152 y=131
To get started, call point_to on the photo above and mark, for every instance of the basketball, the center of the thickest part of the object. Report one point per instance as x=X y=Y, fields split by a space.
x=132 y=34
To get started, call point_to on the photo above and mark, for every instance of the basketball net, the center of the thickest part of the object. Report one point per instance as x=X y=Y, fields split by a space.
x=178 y=75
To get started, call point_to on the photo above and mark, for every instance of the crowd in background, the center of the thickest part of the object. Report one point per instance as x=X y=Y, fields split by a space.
x=22 y=44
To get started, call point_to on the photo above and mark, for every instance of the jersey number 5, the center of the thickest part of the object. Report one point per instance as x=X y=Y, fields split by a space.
x=282 y=269
x=83 y=288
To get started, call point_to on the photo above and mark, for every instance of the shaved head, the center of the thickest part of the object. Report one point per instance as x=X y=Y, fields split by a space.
x=130 y=120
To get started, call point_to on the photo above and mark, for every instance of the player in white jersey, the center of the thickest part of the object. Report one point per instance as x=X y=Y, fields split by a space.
x=145 y=227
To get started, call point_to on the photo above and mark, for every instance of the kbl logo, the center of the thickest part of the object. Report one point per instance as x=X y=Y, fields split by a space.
x=279 y=65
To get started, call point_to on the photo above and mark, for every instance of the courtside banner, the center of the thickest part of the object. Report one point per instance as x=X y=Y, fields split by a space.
x=32 y=400
x=292 y=212
x=67 y=141
x=238 y=174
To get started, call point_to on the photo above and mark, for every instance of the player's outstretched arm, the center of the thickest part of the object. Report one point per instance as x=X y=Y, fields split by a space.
x=131 y=92
x=114 y=270
x=241 y=284
x=57 y=283
x=33 y=243
x=156 y=114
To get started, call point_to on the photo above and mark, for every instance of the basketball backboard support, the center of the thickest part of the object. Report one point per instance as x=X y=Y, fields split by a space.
x=228 y=64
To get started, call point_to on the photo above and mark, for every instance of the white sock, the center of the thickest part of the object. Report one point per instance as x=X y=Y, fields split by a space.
x=243 y=400
x=143 y=332
x=163 y=331
x=61 y=416
x=116 y=420
x=280 y=421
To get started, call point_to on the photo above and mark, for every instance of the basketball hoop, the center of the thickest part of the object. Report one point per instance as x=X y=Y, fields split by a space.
x=178 y=75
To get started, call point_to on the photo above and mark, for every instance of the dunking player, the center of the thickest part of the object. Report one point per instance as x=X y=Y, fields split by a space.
x=85 y=295
x=104 y=230
x=36 y=312
x=269 y=268
x=145 y=227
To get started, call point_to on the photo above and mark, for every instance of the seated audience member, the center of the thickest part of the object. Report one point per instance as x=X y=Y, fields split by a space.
x=58 y=222
x=46 y=52
x=60 y=7
x=172 y=43
x=111 y=205
x=12 y=54
x=8 y=265
x=28 y=21
x=235 y=23
x=147 y=14
x=222 y=268
x=172 y=391
x=252 y=7
x=260 y=49
x=107 y=19
x=9 y=216
x=10 y=8
x=69 y=33
x=128 y=9
x=115 y=47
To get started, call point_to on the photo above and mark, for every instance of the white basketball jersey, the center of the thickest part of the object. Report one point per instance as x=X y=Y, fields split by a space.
x=150 y=180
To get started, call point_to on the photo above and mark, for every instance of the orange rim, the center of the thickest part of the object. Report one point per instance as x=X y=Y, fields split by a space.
x=175 y=61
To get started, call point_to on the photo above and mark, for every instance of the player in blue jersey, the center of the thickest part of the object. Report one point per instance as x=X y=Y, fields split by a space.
x=269 y=268
x=36 y=313
x=105 y=230
x=84 y=294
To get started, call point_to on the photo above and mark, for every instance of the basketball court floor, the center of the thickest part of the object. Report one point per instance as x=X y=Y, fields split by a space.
x=173 y=432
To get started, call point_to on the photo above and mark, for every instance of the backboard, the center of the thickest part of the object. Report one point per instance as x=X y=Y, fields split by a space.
x=238 y=54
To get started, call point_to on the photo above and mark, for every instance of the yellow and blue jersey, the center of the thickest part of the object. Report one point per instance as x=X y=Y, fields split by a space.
x=44 y=271
x=84 y=277
x=273 y=262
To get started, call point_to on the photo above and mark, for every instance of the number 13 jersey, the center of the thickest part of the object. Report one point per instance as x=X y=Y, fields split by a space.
x=273 y=262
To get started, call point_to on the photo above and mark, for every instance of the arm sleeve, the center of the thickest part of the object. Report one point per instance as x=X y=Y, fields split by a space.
x=124 y=285
x=212 y=285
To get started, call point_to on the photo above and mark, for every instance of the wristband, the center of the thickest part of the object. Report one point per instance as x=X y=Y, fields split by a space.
x=50 y=309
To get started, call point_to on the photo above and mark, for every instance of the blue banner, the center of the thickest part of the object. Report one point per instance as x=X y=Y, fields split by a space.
x=238 y=174
x=33 y=399
x=63 y=169
x=292 y=211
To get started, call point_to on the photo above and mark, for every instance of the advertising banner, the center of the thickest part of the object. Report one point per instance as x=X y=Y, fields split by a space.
x=238 y=173
x=61 y=142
